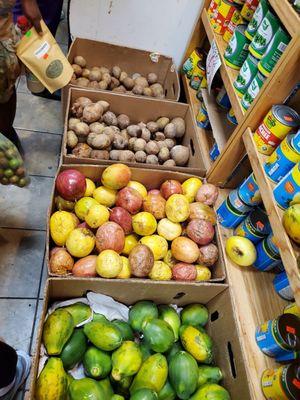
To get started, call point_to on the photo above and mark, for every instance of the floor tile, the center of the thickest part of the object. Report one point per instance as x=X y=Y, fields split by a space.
x=38 y=114
x=36 y=327
x=21 y=261
x=16 y=322
x=42 y=152
x=26 y=207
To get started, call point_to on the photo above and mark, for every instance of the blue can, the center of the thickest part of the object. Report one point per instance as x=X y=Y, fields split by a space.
x=214 y=152
x=223 y=99
x=279 y=268
x=267 y=254
x=287 y=357
x=228 y=215
x=202 y=118
x=279 y=336
x=231 y=117
x=296 y=141
x=282 y=160
x=282 y=286
x=249 y=191
x=237 y=202
x=255 y=226
x=288 y=188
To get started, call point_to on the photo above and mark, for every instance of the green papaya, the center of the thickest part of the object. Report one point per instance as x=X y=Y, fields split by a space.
x=167 y=392
x=141 y=311
x=105 y=336
x=106 y=387
x=198 y=344
x=74 y=349
x=126 y=360
x=125 y=329
x=169 y=315
x=211 y=391
x=152 y=374
x=58 y=329
x=183 y=374
x=96 y=363
x=158 y=334
x=144 y=394
x=86 y=389
x=208 y=374
x=117 y=397
x=146 y=351
x=194 y=314
x=173 y=350
x=79 y=311
x=99 y=318
x=52 y=383
x=122 y=387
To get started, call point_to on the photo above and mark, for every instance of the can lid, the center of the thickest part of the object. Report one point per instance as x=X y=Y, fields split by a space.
x=286 y=115
x=241 y=28
x=289 y=330
x=290 y=379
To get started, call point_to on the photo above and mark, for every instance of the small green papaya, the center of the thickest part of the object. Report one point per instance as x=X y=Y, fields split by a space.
x=167 y=392
x=208 y=374
x=152 y=374
x=158 y=334
x=106 y=387
x=169 y=315
x=146 y=351
x=211 y=391
x=125 y=329
x=74 y=349
x=52 y=383
x=58 y=329
x=79 y=311
x=198 y=344
x=85 y=389
x=173 y=350
x=122 y=387
x=183 y=374
x=126 y=360
x=194 y=314
x=99 y=318
x=105 y=336
x=144 y=394
x=141 y=311
x=96 y=363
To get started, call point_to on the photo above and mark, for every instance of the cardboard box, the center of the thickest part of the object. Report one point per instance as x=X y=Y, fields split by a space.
x=221 y=325
x=152 y=179
x=141 y=109
x=101 y=54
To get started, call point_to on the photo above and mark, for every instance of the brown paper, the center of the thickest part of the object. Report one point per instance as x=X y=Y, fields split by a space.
x=44 y=58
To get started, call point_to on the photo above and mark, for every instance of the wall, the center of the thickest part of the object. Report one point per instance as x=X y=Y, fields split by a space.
x=164 y=26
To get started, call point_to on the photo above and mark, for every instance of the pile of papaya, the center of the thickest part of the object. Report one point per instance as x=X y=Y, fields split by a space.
x=158 y=354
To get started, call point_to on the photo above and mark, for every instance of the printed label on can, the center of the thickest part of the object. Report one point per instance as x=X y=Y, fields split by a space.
x=237 y=49
x=264 y=34
x=288 y=188
x=271 y=384
x=237 y=203
x=228 y=216
x=249 y=191
x=249 y=8
x=245 y=76
x=251 y=93
x=258 y=16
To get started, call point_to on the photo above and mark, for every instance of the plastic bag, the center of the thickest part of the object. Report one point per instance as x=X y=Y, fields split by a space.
x=12 y=170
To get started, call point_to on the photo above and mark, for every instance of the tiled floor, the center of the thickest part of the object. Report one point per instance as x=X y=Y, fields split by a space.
x=23 y=217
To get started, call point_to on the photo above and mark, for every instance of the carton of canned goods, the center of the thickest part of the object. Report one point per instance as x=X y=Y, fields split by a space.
x=278 y=122
x=264 y=35
x=258 y=16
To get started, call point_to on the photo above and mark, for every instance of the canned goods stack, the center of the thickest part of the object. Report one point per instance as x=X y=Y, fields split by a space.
x=194 y=69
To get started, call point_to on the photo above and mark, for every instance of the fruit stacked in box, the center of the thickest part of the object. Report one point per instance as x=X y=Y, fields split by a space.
x=95 y=131
x=115 y=228
x=155 y=353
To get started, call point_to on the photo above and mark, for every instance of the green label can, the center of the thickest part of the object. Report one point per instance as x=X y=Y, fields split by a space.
x=258 y=16
x=253 y=90
x=247 y=73
x=267 y=29
x=276 y=47
x=237 y=49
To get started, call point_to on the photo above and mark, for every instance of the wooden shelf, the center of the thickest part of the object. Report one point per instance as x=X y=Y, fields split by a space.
x=228 y=74
x=289 y=251
x=221 y=127
x=255 y=301
x=287 y=15
x=205 y=139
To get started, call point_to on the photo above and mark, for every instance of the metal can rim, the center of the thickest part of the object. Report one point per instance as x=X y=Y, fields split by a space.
x=277 y=111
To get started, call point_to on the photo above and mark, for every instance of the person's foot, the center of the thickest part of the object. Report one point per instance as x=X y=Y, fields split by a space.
x=22 y=372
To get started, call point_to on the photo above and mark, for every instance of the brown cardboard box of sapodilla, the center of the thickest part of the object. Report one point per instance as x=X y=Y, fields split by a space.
x=140 y=109
x=221 y=325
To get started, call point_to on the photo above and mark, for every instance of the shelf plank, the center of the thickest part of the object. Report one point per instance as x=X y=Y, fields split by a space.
x=287 y=15
x=221 y=127
x=289 y=252
x=228 y=74
x=255 y=301
x=205 y=139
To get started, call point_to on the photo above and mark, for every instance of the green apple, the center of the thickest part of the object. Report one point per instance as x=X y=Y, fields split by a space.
x=241 y=251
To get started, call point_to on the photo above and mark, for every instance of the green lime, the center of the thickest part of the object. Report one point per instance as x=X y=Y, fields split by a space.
x=14 y=179
x=24 y=182
x=8 y=173
x=14 y=163
x=11 y=153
